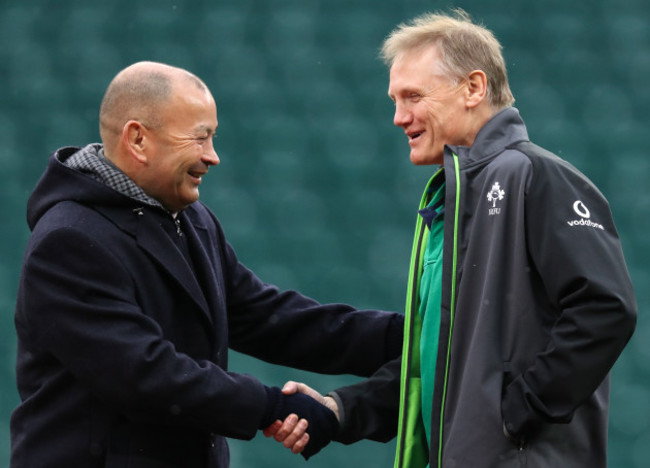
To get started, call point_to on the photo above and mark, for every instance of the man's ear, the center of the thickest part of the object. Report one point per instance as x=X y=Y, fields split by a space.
x=476 y=88
x=135 y=137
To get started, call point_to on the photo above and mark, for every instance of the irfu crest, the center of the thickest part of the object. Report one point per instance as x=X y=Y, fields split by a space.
x=495 y=194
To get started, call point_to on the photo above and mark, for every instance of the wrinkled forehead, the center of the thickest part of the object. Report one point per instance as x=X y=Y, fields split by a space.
x=422 y=58
x=186 y=93
x=190 y=107
x=414 y=68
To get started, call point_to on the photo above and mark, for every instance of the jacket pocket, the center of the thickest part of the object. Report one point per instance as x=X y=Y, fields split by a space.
x=507 y=379
x=517 y=444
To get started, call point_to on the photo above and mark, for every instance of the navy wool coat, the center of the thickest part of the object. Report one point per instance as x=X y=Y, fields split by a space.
x=124 y=320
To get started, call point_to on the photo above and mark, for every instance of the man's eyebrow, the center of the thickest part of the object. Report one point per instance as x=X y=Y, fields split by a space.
x=206 y=128
x=400 y=92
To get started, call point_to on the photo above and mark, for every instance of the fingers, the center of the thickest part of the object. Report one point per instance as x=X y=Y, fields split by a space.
x=292 y=433
x=300 y=445
x=272 y=429
x=292 y=387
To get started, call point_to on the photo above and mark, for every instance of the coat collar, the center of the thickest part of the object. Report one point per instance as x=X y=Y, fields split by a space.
x=135 y=218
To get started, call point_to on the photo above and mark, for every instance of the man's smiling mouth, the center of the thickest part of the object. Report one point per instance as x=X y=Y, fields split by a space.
x=414 y=135
x=196 y=175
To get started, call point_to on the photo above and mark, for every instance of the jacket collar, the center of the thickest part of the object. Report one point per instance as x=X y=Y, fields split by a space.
x=505 y=128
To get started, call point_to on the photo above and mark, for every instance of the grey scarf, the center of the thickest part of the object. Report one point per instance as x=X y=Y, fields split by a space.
x=91 y=161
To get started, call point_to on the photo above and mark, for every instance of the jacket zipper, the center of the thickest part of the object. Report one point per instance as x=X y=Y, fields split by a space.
x=406 y=363
x=452 y=307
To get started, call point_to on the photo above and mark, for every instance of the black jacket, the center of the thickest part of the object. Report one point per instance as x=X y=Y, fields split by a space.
x=537 y=305
x=123 y=345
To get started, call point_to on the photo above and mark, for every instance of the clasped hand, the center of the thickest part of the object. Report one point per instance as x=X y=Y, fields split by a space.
x=292 y=432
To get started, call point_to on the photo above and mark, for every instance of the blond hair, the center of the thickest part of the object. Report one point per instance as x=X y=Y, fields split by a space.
x=463 y=47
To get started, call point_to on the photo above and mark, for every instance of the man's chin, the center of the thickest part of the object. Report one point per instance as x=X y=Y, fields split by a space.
x=421 y=160
x=187 y=200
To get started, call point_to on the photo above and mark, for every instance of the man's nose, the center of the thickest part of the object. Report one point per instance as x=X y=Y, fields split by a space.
x=210 y=157
x=402 y=116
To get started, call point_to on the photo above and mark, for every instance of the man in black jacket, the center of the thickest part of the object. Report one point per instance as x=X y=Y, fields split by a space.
x=519 y=299
x=130 y=297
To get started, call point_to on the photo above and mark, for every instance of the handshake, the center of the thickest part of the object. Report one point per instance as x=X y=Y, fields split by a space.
x=300 y=418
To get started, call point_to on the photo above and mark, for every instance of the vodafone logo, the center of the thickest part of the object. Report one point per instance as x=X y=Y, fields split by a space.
x=582 y=211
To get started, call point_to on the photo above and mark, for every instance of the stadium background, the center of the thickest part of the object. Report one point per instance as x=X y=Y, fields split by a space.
x=315 y=189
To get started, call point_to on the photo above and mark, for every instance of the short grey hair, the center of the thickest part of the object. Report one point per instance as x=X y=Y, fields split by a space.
x=463 y=47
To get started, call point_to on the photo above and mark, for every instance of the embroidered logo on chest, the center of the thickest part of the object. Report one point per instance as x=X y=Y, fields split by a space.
x=495 y=195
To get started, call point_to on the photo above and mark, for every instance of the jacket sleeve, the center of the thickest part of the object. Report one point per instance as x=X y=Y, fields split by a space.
x=80 y=306
x=370 y=409
x=290 y=329
x=575 y=249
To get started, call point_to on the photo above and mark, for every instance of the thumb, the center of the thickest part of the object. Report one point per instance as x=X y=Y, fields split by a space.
x=290 y=387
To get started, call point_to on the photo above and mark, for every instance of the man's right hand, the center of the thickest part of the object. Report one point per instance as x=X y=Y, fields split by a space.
x=293 y=387
x=292 y=433
x=300 y=435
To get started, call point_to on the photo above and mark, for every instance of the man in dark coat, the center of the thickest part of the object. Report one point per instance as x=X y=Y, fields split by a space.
x=130 y=297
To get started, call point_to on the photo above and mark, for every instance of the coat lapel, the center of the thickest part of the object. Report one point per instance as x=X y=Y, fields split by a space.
x=150 y=236
x=152 y=239
x=207 y=265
